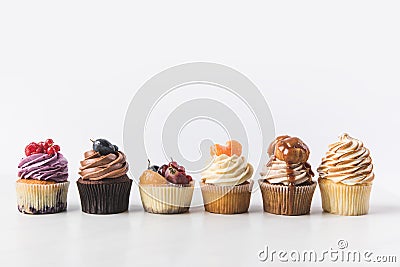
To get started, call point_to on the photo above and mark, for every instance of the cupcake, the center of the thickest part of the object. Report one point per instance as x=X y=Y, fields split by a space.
x=345 y=177
x=286 y=184
x=42 y=186
x=225 y=184
x=104 y=186
x=166 y=189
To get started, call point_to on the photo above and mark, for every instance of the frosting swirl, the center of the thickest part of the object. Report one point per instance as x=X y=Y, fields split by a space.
x=279 y=172
x=348 y=162
x=44 y=167
x=227 y=170
x=97 y=167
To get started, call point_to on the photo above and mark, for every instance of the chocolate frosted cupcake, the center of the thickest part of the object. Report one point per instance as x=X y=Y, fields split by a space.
x=345 y=177
x=225 y=185
x=286 y=184
x=104 y=187
x=42 y=186
x=166 y=189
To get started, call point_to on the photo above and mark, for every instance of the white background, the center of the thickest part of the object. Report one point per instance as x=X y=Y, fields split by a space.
x=69 y=70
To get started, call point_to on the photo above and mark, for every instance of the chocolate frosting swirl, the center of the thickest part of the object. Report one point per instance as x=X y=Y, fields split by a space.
x=348 y=162
x=97 y=167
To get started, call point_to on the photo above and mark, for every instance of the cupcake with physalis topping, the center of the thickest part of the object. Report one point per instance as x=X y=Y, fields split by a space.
x=225 y=184
x=104 y=186
x=345 y=177
x=166 y=189
x=42 y=186
x=286 y=184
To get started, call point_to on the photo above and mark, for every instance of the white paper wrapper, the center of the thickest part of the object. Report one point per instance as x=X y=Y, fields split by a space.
x=166 y=199
x=226 y=199
x=340 y=199
x=42 y=198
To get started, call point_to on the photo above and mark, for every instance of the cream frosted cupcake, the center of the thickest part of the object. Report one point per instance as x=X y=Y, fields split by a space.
x=166 y=189
x=42 y=186
x=345 y=177
x=286 y=184
x=225 y=185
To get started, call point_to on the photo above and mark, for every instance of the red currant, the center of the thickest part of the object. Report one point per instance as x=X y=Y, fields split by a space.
x=56 y=148
x=44 y=145
x=51 y=151
x=28 y=150
x=31 y=149
x=39 y=149
x=49 y=142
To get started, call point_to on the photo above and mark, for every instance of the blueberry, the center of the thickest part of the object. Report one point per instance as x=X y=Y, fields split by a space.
x=104 y=147
x=154 y=168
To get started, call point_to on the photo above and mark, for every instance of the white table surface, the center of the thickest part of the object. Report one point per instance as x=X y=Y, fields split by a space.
x=136 y=238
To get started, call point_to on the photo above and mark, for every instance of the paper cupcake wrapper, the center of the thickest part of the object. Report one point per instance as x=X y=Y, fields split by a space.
x=166 y=199
x=348 y=200
x=107 y=198
x=278 y=199
x=42 y=198
x=226 y=199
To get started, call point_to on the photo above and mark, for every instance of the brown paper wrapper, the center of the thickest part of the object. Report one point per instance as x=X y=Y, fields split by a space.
x=166 y=199
x=226 y=199
x=107 y=196
x=35 y=198
x=348 y=200
x=278 y=199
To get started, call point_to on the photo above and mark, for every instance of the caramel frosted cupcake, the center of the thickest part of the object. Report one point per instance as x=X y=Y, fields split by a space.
x=166 y=189
x=286 y=183
x=345 y=177
x=42 y=186
x=104 y=186
x=225 y=185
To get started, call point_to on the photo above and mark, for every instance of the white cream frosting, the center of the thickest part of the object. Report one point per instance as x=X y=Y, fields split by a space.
x=225 y=170
x=277 y=173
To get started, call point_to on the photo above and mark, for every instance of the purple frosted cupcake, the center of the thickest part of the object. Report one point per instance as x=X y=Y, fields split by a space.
x=42 y=186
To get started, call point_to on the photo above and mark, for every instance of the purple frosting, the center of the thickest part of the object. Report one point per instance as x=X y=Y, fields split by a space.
x=44 y=167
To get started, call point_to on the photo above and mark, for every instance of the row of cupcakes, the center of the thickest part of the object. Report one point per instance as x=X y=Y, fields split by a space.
x=345 y=180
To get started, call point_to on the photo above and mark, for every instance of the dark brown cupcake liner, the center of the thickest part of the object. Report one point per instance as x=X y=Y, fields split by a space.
x=278 y=199
x=100 y=197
